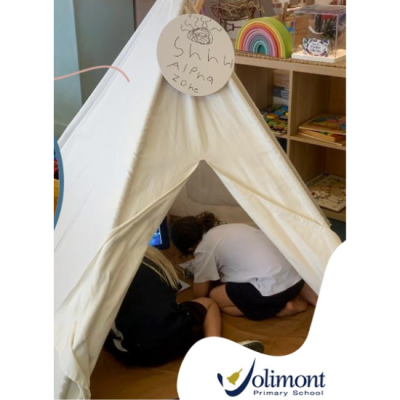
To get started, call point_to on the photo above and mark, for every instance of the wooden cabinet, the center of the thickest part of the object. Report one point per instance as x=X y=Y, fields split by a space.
x=313 y=89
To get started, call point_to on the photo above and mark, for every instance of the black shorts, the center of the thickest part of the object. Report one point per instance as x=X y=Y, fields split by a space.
x=254 y=305
x=166 y=349
x=197 y=313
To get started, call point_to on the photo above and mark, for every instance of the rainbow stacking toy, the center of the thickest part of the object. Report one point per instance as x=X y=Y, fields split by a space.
x=265 y=35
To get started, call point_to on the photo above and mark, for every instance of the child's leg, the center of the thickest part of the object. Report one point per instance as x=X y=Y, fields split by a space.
x=212 y=322
x=219 y=295
x=309 y=295
x=295 y=306
x=299 y=303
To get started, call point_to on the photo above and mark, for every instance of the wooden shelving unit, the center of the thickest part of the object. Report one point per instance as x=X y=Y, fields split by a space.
x=314 y=88
x=259 y=60
x=316 y=142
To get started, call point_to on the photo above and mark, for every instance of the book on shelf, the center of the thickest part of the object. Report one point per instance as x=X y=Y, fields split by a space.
x=280 y=95
x=280 y=92
x=329 y=191
x=329 y=137
x=329 y=123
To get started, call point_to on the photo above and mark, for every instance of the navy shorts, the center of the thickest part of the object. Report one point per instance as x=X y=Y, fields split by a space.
x=163 y=350
x=254 y=305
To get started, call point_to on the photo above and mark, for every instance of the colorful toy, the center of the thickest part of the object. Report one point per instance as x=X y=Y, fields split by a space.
x=265 y=35
x=276 y=116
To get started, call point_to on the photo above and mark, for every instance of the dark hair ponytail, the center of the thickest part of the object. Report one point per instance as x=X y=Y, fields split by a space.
x=186 y=232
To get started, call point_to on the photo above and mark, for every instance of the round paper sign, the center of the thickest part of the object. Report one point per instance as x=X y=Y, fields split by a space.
x=195 y=54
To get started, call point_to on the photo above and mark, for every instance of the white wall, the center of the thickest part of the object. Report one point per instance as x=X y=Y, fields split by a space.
x=67 y=92
x=87 y=33
x=103 y=28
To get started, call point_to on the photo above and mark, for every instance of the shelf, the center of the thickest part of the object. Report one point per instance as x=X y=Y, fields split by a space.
x=340 y=216
x=314 y=88
x=279 y=136
x=289 y=64
x=317 y=142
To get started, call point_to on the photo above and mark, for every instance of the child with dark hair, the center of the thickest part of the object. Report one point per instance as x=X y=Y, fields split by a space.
x=188 y=231
x=257 y=280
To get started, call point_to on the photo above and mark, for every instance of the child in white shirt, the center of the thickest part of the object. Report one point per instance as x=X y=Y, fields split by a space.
x=257 y=280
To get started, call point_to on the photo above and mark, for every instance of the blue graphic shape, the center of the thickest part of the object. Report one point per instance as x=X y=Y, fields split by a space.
x=61 y=180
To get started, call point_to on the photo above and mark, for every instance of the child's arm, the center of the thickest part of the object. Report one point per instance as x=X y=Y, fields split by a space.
x=201 y=289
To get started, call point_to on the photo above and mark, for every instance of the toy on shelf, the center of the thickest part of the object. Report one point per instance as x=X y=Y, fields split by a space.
x=325 y=127
x=266 y=36
x=276 y=116
x=331 y=123
x=329 y=191
x=230 y=11
x=320 y=33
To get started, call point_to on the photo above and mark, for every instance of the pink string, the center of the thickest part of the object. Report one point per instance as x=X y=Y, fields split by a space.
x=91 y=69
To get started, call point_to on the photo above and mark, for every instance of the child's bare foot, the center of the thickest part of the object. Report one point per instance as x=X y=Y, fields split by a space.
x=309 y=295
x=292 y=307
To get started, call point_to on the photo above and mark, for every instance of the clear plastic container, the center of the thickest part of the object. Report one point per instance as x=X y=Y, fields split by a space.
x=320 y=33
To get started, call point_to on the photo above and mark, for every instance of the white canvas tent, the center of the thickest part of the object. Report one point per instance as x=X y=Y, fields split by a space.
x=127 y=155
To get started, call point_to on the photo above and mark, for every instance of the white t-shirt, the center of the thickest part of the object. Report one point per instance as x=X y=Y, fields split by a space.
x=240 y=253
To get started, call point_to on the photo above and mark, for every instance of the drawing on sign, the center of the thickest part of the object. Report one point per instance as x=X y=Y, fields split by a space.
x=199 y=34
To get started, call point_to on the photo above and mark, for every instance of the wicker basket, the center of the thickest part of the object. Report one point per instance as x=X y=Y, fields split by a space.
x=235 y=10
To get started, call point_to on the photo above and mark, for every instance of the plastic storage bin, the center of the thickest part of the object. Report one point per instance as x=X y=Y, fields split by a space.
x=320 y=33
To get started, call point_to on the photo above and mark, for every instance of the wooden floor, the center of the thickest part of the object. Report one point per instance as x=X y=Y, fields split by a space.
x=112 y=380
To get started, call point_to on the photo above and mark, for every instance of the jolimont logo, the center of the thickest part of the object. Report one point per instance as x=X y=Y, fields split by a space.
x=270 y=384
x=233 y=378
